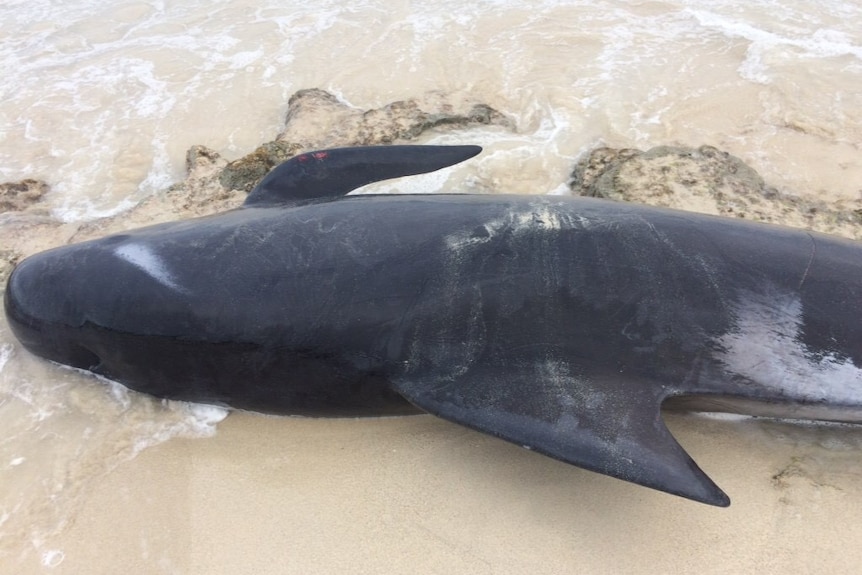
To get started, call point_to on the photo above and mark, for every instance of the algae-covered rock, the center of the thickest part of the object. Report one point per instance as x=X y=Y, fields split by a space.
x=244 y=173
x=705 y=180
x=315 y=118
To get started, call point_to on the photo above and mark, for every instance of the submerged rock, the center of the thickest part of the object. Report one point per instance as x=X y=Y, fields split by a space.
x=705 y=180
x=18 y=196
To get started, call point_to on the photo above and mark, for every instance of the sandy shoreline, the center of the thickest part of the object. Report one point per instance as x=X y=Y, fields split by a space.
x=416 y=494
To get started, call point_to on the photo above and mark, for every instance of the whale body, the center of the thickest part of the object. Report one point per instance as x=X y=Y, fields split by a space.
x=561 y=324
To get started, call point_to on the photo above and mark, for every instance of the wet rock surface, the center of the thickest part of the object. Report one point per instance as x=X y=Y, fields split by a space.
x=705 y=180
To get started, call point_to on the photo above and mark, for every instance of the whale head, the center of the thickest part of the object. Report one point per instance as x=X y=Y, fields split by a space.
x=45 y=310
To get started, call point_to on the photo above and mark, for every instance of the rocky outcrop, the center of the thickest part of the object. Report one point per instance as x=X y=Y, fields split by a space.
x=21 y=216
x=704 y=180
x=317 y=119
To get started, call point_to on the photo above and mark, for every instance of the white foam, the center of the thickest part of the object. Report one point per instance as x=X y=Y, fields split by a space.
x=160 y=175
x=798 y=43
x=204 y=418
x=52 y=558
x=86 y=209
x=5 y=354
x=196 y=420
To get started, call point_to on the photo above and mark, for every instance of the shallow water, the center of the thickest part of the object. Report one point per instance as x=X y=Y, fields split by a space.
x=102 y=99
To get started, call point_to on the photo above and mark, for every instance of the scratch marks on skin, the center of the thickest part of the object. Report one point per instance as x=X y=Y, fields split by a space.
x=810 y=261
x=450 y=341
x=540 y=216
x=568 y=391
x=146 y=260
x=766 y=348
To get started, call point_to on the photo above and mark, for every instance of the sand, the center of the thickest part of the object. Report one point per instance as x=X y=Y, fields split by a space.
x=419 y=495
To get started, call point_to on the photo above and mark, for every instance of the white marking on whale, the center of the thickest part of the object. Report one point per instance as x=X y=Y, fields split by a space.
x=146 y=260
x=766 y=347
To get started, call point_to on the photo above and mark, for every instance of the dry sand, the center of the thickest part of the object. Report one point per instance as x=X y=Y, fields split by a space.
x=419 y=495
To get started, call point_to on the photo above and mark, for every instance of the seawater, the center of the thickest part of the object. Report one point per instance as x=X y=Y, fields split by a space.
x=101 y=99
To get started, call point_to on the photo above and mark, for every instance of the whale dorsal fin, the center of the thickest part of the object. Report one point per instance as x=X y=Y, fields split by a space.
x=620 y=434
x=326 y=175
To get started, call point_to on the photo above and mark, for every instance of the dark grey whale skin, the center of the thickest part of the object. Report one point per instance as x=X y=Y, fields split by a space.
x=561 y=324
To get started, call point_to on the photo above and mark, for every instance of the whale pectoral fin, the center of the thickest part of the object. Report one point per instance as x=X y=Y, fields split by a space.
x=329 y=174
x=618 y=433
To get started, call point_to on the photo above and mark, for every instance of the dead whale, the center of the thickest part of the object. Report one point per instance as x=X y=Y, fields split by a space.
x=561 y=324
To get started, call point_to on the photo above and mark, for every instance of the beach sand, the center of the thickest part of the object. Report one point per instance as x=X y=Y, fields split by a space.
x=420 y=495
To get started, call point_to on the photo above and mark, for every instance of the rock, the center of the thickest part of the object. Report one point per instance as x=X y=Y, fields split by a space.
x=244 y=173
x=18 y=196
x=317 y=119
x=8 y=260
x=202 y=162
x=705 y=180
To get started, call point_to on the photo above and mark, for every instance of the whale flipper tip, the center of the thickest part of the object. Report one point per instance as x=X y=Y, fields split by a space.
x=621 y=436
